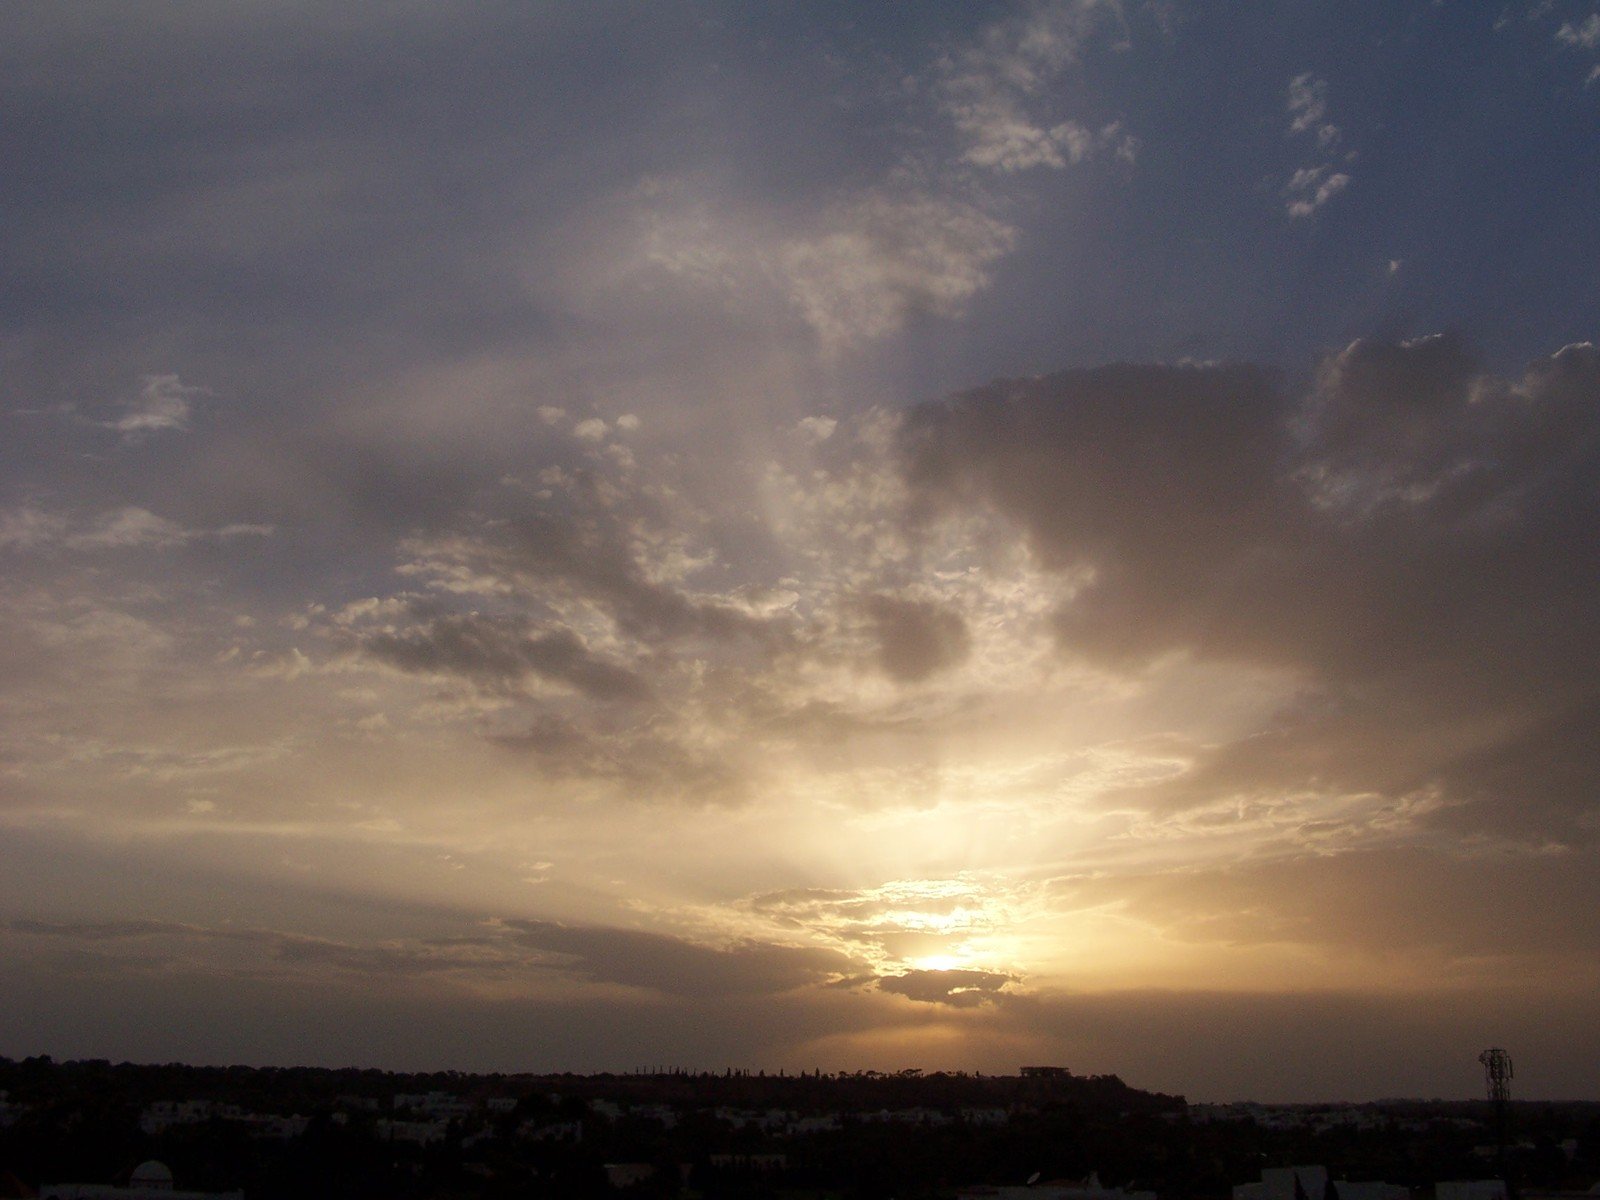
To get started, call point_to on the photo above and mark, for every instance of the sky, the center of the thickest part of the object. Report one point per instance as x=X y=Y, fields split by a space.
x=587 y=536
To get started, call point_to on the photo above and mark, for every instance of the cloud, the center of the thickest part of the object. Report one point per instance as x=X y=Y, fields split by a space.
x=125 y=528
x=500 y=653
x=956 y=988
x=1307 y=103
x=1407 y=541
x=245 y=529
x=916 y=639
x=26 y=528
x=678 y=967
x=989 y=86
x=888 y=258
x=921 y=237
x=1311 y=187
x=163 y=403
x=176 y=946
x=856 y=269
x=128 y=527
x=95 y=931
x=899 y=925
x=625 y=635
x=547 y=557
x=1584 y=34
x=817 y=429
x=652 y=761
x=658 y=962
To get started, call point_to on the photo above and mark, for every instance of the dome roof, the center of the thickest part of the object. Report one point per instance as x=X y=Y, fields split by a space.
x=151 y=1174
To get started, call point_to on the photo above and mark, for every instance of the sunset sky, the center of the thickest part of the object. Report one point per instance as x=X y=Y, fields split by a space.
x=579 y=536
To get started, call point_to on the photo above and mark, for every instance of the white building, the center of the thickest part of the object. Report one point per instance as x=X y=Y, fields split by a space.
x=1285 y=1183
x=164 y=1114
x=435 y=1104
x=1205 y=1114
x=423 y=1133
x=278 y=1128
x=985 y=1116
x=621 y=1175
x=559 y=1131
x=1371 y=1191
x=1055 y=1189
x=665 y=1113
x=826 y=1123
x=1311 y=1183
x=1470 y=1189
x=150 y=1181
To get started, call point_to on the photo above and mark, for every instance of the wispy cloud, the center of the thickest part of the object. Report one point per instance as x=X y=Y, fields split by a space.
x=990 y=88
x=1309 y=188
x=886 y=259
x=1308 y=105
x=1583 y=34
x=926 y=236
x=127 y=528
x=164 y=403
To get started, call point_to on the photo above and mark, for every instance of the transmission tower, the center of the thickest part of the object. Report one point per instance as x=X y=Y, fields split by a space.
x=1497 y=1073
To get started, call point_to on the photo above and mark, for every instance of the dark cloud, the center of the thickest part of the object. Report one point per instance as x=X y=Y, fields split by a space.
x=647 y=761
x=957 y=988
x=672 y=965
x=634 y=958
x=1392 y=403
x=840 y=906
x=916 y=638
x=96 y=931
x=502 y=652
x=395 y=959
x=554 y=739
x=1415 y=541
x=1141 y=473
x=585 y=555
x=392 y=961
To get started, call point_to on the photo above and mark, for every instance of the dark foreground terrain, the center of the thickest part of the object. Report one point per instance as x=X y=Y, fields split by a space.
x=305 y=1132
